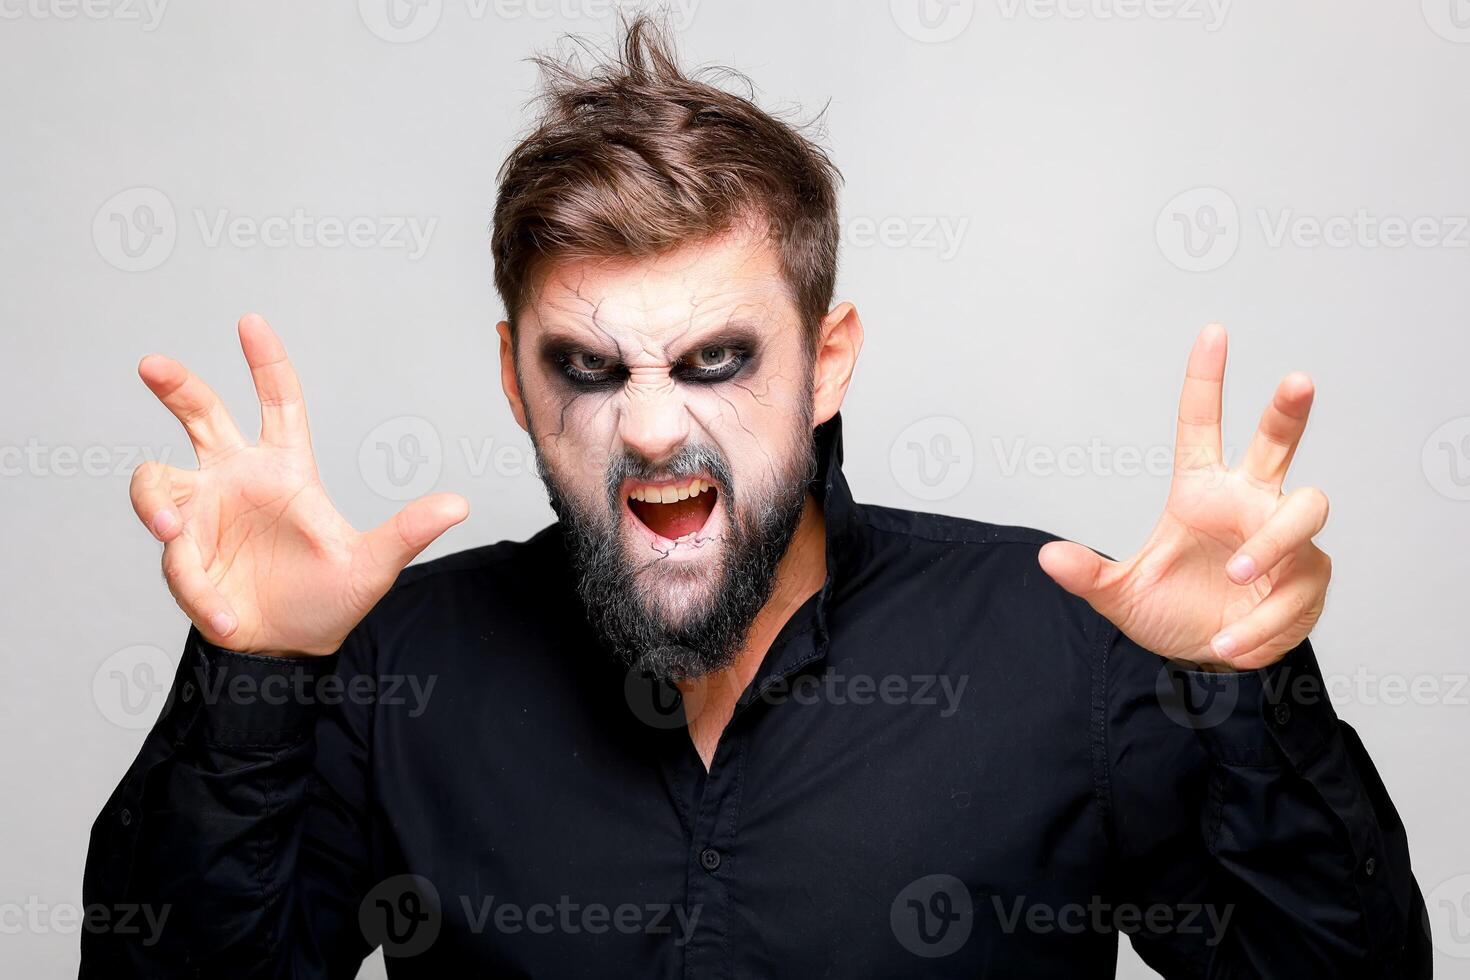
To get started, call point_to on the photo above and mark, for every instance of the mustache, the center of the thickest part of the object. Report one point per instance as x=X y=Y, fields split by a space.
x=687 y=463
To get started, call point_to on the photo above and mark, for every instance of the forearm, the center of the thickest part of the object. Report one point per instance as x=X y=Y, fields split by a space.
x=1299 y=823
x=205 y=828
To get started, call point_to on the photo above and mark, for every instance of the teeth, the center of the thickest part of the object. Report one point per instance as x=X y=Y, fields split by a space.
x=668 y=495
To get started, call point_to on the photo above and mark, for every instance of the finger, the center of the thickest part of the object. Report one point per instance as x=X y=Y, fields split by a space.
x=192 y=589
x=155 y=490
x=194 y=403
x=398 y=540
x=1298 y=518
x=1269 y=454
x=1079 y=570
x=1247 y=643
x=282 y=409
x=1197 y=444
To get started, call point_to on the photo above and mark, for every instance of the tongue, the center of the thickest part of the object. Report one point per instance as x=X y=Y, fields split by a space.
x=675 y=520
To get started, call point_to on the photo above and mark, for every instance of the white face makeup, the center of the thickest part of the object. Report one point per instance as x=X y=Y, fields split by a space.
x=653 y=373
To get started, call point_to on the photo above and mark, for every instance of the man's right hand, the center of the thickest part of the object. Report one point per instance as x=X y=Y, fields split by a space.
x=254 y=552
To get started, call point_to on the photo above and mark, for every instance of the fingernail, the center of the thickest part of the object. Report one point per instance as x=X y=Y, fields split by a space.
x=1242 y=568
x=164 y=521
x=1223 y=645
x=223 y=623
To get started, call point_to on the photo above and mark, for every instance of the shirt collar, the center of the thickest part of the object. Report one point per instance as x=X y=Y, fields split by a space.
x=803 y=638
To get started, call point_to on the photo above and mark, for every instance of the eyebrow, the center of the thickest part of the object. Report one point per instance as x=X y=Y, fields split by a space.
x=737 y=331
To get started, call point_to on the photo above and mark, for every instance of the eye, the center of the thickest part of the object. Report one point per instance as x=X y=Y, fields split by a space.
x=586 y=361
x=717 y=362
x=586 y=368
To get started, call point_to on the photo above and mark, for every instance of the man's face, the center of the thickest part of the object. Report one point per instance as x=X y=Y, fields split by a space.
x=670 y=403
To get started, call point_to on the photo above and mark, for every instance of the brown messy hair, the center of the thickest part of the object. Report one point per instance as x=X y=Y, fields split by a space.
x=636 y=157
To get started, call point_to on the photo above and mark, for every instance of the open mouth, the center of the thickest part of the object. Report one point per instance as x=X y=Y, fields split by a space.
x=673 y=510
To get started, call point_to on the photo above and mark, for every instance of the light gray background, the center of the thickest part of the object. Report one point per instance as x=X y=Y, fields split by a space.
x=1035 y=354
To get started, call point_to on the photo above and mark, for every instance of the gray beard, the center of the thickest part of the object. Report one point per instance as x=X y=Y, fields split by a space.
x=627 y=621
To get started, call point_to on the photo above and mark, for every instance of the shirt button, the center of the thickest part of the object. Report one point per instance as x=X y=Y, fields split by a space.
x=188 y=691
x=709 y=859
x=1369 y=867
x=126 y=817
x=1282 y=714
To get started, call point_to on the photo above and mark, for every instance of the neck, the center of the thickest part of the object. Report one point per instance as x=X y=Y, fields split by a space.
x=799 y=576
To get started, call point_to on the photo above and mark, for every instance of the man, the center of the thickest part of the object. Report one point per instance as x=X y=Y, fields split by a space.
x=721 y=720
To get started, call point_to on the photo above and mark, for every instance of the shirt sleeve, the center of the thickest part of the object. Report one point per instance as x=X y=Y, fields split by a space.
x=1253 y=824
x=243 y=823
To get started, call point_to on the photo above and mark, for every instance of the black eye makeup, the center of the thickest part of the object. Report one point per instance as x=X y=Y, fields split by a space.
x=715 y=361
x=712 y=363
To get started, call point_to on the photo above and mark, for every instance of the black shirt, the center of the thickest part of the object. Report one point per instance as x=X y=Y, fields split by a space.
x=946 y=766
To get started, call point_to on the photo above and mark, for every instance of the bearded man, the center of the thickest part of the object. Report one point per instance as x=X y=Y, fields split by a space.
x=720 y=720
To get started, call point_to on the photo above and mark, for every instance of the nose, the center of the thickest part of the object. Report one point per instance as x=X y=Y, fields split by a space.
x=655 y=420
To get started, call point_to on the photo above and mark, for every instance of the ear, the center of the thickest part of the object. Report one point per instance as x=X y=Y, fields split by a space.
x=839 y=339
x=508 y=379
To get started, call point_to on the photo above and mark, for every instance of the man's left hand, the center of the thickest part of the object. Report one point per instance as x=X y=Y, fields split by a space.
x=1230 y=576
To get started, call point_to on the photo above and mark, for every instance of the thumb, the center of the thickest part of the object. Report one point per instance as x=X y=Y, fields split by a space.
x=1077 y=569
x=398 y=540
